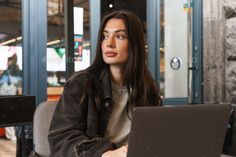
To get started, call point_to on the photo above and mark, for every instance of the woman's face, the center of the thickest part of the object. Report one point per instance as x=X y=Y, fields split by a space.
x=115 y=42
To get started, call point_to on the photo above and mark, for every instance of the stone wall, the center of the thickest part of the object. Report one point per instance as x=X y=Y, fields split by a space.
x=213 y=52
x=219 y=51
x=230 y=48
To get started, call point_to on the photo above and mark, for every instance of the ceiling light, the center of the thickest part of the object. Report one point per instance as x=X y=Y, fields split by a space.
x=110 y=5
x=11 y=41
x=53 y=42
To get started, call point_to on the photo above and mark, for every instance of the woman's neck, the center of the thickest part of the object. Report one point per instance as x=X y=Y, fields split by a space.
x=116 y=75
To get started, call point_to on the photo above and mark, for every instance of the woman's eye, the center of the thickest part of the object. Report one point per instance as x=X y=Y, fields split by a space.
x=122 y=37
x=105 y=36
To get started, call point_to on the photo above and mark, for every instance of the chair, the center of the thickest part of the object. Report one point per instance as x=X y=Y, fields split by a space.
x=41 y=124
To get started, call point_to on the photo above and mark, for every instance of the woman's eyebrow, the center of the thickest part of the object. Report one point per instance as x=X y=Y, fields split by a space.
x=116 y=31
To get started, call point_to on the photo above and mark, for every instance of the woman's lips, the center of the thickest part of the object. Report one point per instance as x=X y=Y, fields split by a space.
x=110 y=54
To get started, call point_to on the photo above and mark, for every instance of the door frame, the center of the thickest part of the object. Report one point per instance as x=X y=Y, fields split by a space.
x=34 y=43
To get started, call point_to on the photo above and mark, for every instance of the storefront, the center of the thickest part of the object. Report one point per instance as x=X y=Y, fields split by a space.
x=48 y=40
x=173 y=30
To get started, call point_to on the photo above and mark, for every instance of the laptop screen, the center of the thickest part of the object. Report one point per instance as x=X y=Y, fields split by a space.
x=16 y=110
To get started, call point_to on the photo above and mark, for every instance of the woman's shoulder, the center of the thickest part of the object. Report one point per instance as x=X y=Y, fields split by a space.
x=83 y=77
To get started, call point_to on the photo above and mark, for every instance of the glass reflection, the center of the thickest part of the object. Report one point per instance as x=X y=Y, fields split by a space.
x=10 y=48
x=162 y=50
x=56 y=57
x=10 y=65
x=55 y=49
x=81 y=34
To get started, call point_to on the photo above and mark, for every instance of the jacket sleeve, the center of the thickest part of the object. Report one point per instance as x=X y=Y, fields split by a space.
x=67 y=137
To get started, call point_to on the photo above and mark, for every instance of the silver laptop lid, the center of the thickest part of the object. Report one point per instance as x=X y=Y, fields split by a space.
x=182 y=131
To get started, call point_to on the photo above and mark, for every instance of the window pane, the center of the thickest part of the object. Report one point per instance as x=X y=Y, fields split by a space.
x=81 y=34
x=55 y=49
x=10 y=48
x=56 y=57
x=10 y=63
x=175 y=48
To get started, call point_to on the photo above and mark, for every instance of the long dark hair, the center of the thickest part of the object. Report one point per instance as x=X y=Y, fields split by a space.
x=141 y=87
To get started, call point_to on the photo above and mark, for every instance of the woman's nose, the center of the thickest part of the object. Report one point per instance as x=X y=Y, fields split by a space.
x=110 y=42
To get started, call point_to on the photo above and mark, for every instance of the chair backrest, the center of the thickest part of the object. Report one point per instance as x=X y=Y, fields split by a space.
x=41 y=123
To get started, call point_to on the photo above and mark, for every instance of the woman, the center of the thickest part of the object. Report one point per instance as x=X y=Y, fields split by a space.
x=92 y=118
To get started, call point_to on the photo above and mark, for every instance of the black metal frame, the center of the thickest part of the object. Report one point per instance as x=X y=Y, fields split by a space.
x=197 y=86
x=34 y=25
x=69 y=37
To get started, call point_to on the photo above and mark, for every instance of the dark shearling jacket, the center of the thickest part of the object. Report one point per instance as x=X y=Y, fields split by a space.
x=81 y=116
x=78 y=126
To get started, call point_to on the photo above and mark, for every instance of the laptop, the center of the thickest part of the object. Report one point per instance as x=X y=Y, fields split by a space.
x=181 y=131
x=16 y=110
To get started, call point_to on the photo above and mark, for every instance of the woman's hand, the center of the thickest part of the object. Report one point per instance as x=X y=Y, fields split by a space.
x=120 y=152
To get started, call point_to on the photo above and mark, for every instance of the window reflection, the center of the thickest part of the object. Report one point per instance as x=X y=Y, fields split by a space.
x=56 y=57
x=81 y=34
x=162 y=50
x=10 y=64
x=10 y=48
x=55 y=49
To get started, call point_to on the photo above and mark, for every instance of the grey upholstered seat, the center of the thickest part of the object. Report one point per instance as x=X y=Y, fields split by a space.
x=41 y=123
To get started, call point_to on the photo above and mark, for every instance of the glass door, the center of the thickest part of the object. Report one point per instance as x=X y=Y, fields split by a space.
x=176 y=51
